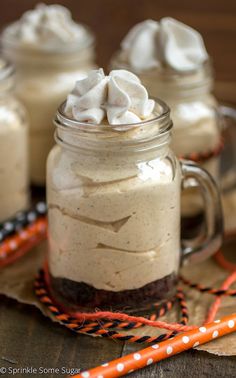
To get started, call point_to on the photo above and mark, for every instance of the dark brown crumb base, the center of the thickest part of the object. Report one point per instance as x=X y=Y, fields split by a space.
x=79 y=295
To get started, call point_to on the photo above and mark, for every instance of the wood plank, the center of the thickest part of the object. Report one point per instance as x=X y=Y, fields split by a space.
x=226 y=91
x=30 y=339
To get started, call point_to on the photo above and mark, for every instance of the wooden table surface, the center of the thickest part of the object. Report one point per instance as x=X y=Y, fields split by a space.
x=27 y=338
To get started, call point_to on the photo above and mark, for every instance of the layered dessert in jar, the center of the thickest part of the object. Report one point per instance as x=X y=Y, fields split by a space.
x=172 y=62
x=50 y=51
x=113 y=195
x=14 y=194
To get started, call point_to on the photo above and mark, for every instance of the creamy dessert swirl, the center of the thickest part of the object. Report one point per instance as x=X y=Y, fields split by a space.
x=167 y=43
x=120 y=97
x=47 y=27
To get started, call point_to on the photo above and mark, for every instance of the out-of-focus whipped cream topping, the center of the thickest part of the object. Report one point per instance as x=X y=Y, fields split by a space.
x=48 y=25
x=119 y=97
x=171 y=43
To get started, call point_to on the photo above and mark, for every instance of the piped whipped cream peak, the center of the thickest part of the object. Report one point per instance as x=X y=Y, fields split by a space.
x=170 y=43
x=49 y=25
x=119 y=97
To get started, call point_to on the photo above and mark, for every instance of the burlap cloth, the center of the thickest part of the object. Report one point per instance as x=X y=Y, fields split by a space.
x=16 y=281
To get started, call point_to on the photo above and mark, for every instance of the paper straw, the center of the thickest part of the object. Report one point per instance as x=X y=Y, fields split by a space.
x=21 y=220
x=20 y=252
x=165 y=349
x=19 y=244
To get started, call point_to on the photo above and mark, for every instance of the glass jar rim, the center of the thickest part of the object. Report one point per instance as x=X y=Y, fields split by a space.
x=143 y=136
x=63 y=121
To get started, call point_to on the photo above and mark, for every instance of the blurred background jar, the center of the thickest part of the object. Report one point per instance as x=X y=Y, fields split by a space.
x=185 y=84
x=50 y=52
x=14 y=194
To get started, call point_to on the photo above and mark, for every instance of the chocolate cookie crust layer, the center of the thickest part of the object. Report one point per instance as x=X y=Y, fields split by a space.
x=78 y=294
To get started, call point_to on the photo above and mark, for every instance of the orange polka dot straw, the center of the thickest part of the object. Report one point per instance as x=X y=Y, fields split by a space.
x=165 y=349
x=18 y=244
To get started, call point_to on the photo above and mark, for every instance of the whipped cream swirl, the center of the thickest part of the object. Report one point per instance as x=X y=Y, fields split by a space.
x=47 y=26
x=120 y=97
x=171 y=43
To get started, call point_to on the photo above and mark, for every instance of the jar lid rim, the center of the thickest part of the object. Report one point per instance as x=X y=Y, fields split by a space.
x=163 y=117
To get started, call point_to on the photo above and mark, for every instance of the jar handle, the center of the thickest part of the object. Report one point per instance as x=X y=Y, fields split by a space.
x=213 y=238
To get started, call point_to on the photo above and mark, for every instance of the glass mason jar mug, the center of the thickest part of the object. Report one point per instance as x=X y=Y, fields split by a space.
x=113 y=195
x=198 y=125
x=194 y=111
x=43 y=80
x=14 y=193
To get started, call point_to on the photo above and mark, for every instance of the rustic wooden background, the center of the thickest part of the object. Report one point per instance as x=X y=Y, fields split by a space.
x=111 y=19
